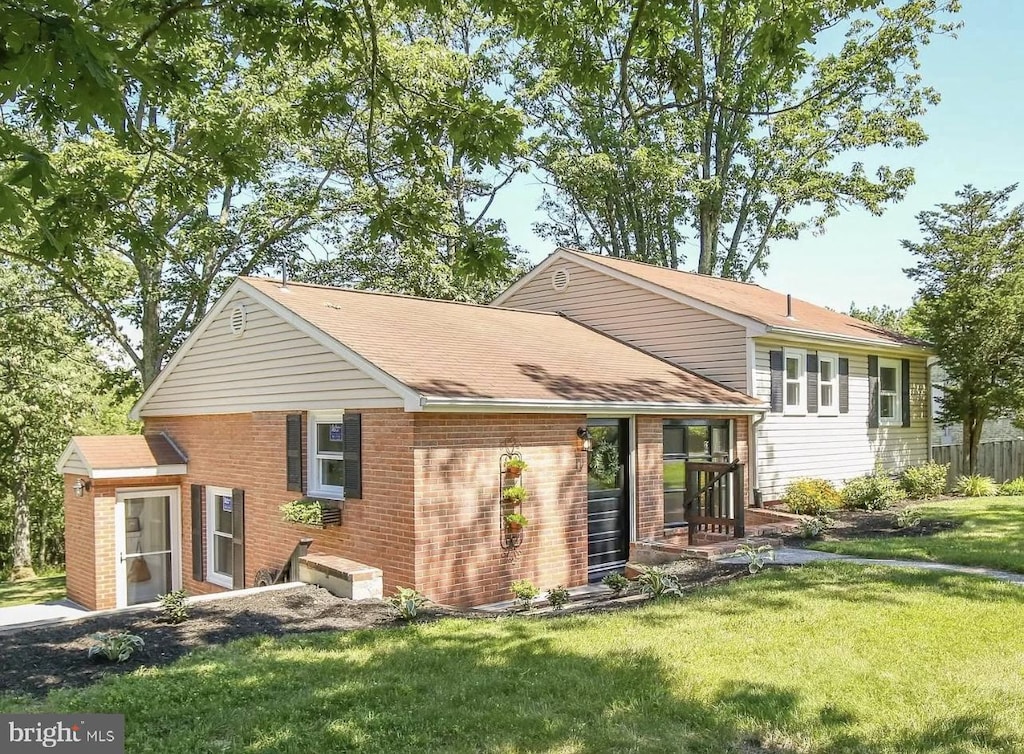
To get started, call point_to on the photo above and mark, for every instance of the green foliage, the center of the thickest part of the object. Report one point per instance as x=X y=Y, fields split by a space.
x=969 y=268
x=558 y=597
x=755 y=556
x=515 y=466
x=516 y=519
x=811 y=496
x=1014 y=487
x=976 y=485
x=174 y=606
x=304 y=511
x=926 y=480
x=900 y=321
x=812 y=528
x=408 y=602
x=114 y=646
x=908 y=518
x=657 y=582
x=514 y=494
x=525 y=593
x=872 y=492
x=616 y=582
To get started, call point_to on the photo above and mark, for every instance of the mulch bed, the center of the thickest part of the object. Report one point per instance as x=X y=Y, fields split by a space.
x=39 y=659
x=874 y=524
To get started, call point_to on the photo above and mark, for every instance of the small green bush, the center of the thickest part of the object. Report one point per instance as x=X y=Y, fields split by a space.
x=525 y=592
x=407 y=602
x=174 y=606
x=1015 y=488
x=114 y=646
x=924 y=481
x=873 y=492
x=657 y=582
x=558 y=597
x=812 y=528
x=908 y=518
x=616 y=582
x=811 y=496
x=977 y=485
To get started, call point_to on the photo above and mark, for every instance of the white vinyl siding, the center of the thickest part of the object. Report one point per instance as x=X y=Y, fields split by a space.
x=272 y=366
x=688 y=337
x=838 y=447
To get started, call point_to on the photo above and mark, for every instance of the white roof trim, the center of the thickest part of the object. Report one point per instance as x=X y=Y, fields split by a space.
x=802 y=334
x=517 y=405
x=752 y=326
x=411 y=397
x=172 y=469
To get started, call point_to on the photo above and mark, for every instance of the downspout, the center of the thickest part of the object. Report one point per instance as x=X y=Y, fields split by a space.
x=752 y=441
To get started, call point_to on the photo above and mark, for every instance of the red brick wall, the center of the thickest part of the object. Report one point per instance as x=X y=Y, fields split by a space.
x=248 y=451
x=80 y=544
x=459 y=558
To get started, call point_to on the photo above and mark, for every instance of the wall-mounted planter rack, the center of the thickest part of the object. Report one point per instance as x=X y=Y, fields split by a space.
x=510 y=538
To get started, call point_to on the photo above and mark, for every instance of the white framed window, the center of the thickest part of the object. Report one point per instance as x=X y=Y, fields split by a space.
x=794 y=386
x=219 y=533
x=889 y=392
x=326 y=455
x=828 y=384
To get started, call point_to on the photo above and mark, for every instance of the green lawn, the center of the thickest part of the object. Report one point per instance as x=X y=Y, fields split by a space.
x=991 y=534
x=826 y=658
x=31 y=591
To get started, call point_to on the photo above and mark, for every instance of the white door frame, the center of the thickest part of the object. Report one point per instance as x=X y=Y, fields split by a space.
x=120 y=538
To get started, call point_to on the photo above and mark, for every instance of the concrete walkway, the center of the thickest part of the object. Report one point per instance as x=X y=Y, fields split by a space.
x=47 y=612
x=798 y=556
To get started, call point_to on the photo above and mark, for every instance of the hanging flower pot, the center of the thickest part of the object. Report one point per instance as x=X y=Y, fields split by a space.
x=514 y=495
x=515 y=522
x=514 y=467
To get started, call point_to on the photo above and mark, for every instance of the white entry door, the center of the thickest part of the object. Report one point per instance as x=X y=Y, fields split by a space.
x=148 y=542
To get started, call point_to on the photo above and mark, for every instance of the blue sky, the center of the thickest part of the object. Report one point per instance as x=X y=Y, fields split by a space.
x=975 y=136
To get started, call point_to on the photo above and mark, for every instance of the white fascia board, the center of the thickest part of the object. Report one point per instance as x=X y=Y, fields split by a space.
x=204 y=324
x=803 y=336
x=514 y=405
x=174 y=469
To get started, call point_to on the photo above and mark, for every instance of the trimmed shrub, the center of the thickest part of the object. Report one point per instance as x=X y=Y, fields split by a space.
x=174 y=606
x=977 y=485
x=926 y=480
x=616 y=582
x=525 y=593
x=811 y=496
x=873 y=492
x=1015 y=488
x=558 y=597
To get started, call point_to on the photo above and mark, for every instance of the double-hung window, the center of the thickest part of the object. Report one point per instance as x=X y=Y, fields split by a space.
x=219 y=533
x=795 y=381
x=828 y=384
x=326 y=456
x=889 y=392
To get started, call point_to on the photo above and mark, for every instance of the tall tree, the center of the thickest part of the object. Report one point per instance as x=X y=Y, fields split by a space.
x=741 y=105
x=970 y=275
x=899 y=320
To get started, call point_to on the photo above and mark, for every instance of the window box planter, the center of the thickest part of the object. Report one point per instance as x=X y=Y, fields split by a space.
x=318 y=514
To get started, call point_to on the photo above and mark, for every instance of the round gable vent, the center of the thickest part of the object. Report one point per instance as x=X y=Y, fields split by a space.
x=238 y=320
x=560 y=279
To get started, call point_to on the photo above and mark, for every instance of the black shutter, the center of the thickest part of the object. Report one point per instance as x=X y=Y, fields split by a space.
x=197 y=532
x=812 y=383
x=905 y=387
x=775 y=363
x=237 y=539
x=844 y=385
x=353 y=445
x=293 y=441
x=872 y=391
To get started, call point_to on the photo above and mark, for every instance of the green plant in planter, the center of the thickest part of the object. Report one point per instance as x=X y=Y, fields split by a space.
x=514 y=494
x=525 y=592
x=516 y=521
x=308 y=512
x=514 y=467
x=558 y=597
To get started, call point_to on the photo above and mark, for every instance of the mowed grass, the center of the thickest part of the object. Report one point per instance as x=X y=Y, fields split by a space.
x=826 y=658
x=31 y=591
x=991 y=534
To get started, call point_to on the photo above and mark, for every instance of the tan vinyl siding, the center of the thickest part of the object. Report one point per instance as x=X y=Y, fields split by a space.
x=841 y=447
x=681 y=334
x=272 y=366
x=74 y=465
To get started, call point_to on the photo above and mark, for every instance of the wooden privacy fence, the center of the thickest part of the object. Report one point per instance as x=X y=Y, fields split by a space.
x=1002 y=460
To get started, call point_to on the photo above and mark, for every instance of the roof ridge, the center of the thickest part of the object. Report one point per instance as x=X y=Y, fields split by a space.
x=387 y=294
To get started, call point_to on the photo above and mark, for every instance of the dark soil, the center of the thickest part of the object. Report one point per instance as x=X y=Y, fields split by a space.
x=36 y=660
x=873 y=524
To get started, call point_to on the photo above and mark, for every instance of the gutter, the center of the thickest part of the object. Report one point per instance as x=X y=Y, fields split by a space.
x=518 y=405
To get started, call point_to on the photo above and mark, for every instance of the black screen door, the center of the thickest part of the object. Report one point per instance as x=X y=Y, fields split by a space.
x=607 y=496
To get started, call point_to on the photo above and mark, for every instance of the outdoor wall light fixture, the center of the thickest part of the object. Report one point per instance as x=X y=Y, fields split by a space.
x=586 y=444
x=81 y=487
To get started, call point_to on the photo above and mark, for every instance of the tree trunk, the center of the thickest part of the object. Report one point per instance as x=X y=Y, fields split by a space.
x=22 y=531
x=971 y=441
